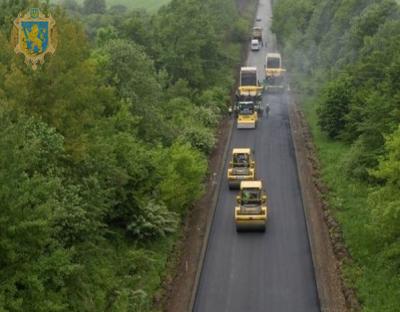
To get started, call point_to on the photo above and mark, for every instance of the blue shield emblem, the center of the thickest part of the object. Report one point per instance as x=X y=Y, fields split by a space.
x=35 y=36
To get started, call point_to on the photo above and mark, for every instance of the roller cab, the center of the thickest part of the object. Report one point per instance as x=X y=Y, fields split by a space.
x=242 y=167
x=251 y=209
x=247 y=115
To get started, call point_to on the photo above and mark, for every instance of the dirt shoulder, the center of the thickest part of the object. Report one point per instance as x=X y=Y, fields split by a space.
x=190 y=249
x=328 y=249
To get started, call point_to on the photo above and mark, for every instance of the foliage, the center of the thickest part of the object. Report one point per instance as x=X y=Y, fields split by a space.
x=94 y=6
x=345 y=54
x=182 y=171
x=334 y=107
x=149 y=5
x=31 y=191
x=385 y=200
x=152 y=221
x=103 y=149
x=193 y=46
x=71 y=5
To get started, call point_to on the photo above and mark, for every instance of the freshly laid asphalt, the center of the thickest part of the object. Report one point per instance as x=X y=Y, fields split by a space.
x=271 y=271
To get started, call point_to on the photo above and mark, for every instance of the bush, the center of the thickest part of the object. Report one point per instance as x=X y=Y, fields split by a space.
x=240 y=31
x=152 y=221
x=182 y=171
x=200 y=138
x=335 y=104
x=359 y=160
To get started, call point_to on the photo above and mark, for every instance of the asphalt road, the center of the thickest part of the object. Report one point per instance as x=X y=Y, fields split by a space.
x=271 y=271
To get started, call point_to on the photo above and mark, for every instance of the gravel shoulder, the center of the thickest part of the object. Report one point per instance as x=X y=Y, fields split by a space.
x=327 y=246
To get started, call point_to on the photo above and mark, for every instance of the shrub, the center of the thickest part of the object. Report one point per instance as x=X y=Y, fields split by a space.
x=152 y=221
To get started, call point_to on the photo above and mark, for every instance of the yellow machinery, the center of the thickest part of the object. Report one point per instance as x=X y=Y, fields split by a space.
x=274 y=73
x=246 y=115
x=249 y=89
x=242 y=167
x=251 y=210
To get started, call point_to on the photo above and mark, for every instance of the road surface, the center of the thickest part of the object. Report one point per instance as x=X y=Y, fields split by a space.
x=271 y=271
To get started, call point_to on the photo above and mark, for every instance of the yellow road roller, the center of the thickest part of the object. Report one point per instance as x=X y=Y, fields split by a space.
x=251 y=209
x=242 y=167
x=247 y=116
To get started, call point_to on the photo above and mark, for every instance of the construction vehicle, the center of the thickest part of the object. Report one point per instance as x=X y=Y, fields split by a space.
x=249 y=89
x=242 y=167
x=251 y=210
x=274 y=73
x=247 y=116
x=257 y=34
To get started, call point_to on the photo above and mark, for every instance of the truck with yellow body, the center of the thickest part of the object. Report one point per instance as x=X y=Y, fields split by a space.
x=249 y=89
x=251 y=209
x=242 y=167
x=274 y=73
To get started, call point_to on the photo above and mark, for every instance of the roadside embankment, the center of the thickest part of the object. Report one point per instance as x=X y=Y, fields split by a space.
x=328 y=249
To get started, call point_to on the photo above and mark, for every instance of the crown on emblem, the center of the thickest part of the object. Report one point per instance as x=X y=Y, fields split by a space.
x=34 y=12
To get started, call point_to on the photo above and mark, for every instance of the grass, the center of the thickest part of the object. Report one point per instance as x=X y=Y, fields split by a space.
x=378 y=288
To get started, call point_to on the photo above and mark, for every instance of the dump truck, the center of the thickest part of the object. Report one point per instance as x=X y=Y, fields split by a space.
x=242 y=167
x=274 y=73
x=246 y=116
x=251 y=209
x=249 y=89
x=257 y=34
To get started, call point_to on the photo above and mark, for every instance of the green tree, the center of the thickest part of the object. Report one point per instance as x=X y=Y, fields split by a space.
x=94 y=6
x=71 y=5
x=344 y=56
x=334 y=106
x=182 y=171
x=127 y=68
x=34 y=265
x=188 y=46
x=95 y=180
x=385 y=202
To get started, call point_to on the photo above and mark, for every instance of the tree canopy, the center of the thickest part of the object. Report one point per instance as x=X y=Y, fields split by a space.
x=103 y=149
x=344 y=56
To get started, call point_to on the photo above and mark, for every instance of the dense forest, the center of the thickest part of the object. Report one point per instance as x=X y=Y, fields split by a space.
x=104 y=148
x=344 y=60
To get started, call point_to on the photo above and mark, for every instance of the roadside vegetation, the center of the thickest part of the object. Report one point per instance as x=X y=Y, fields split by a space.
x=104 y=148
x=149 y=5
x=344 y=61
